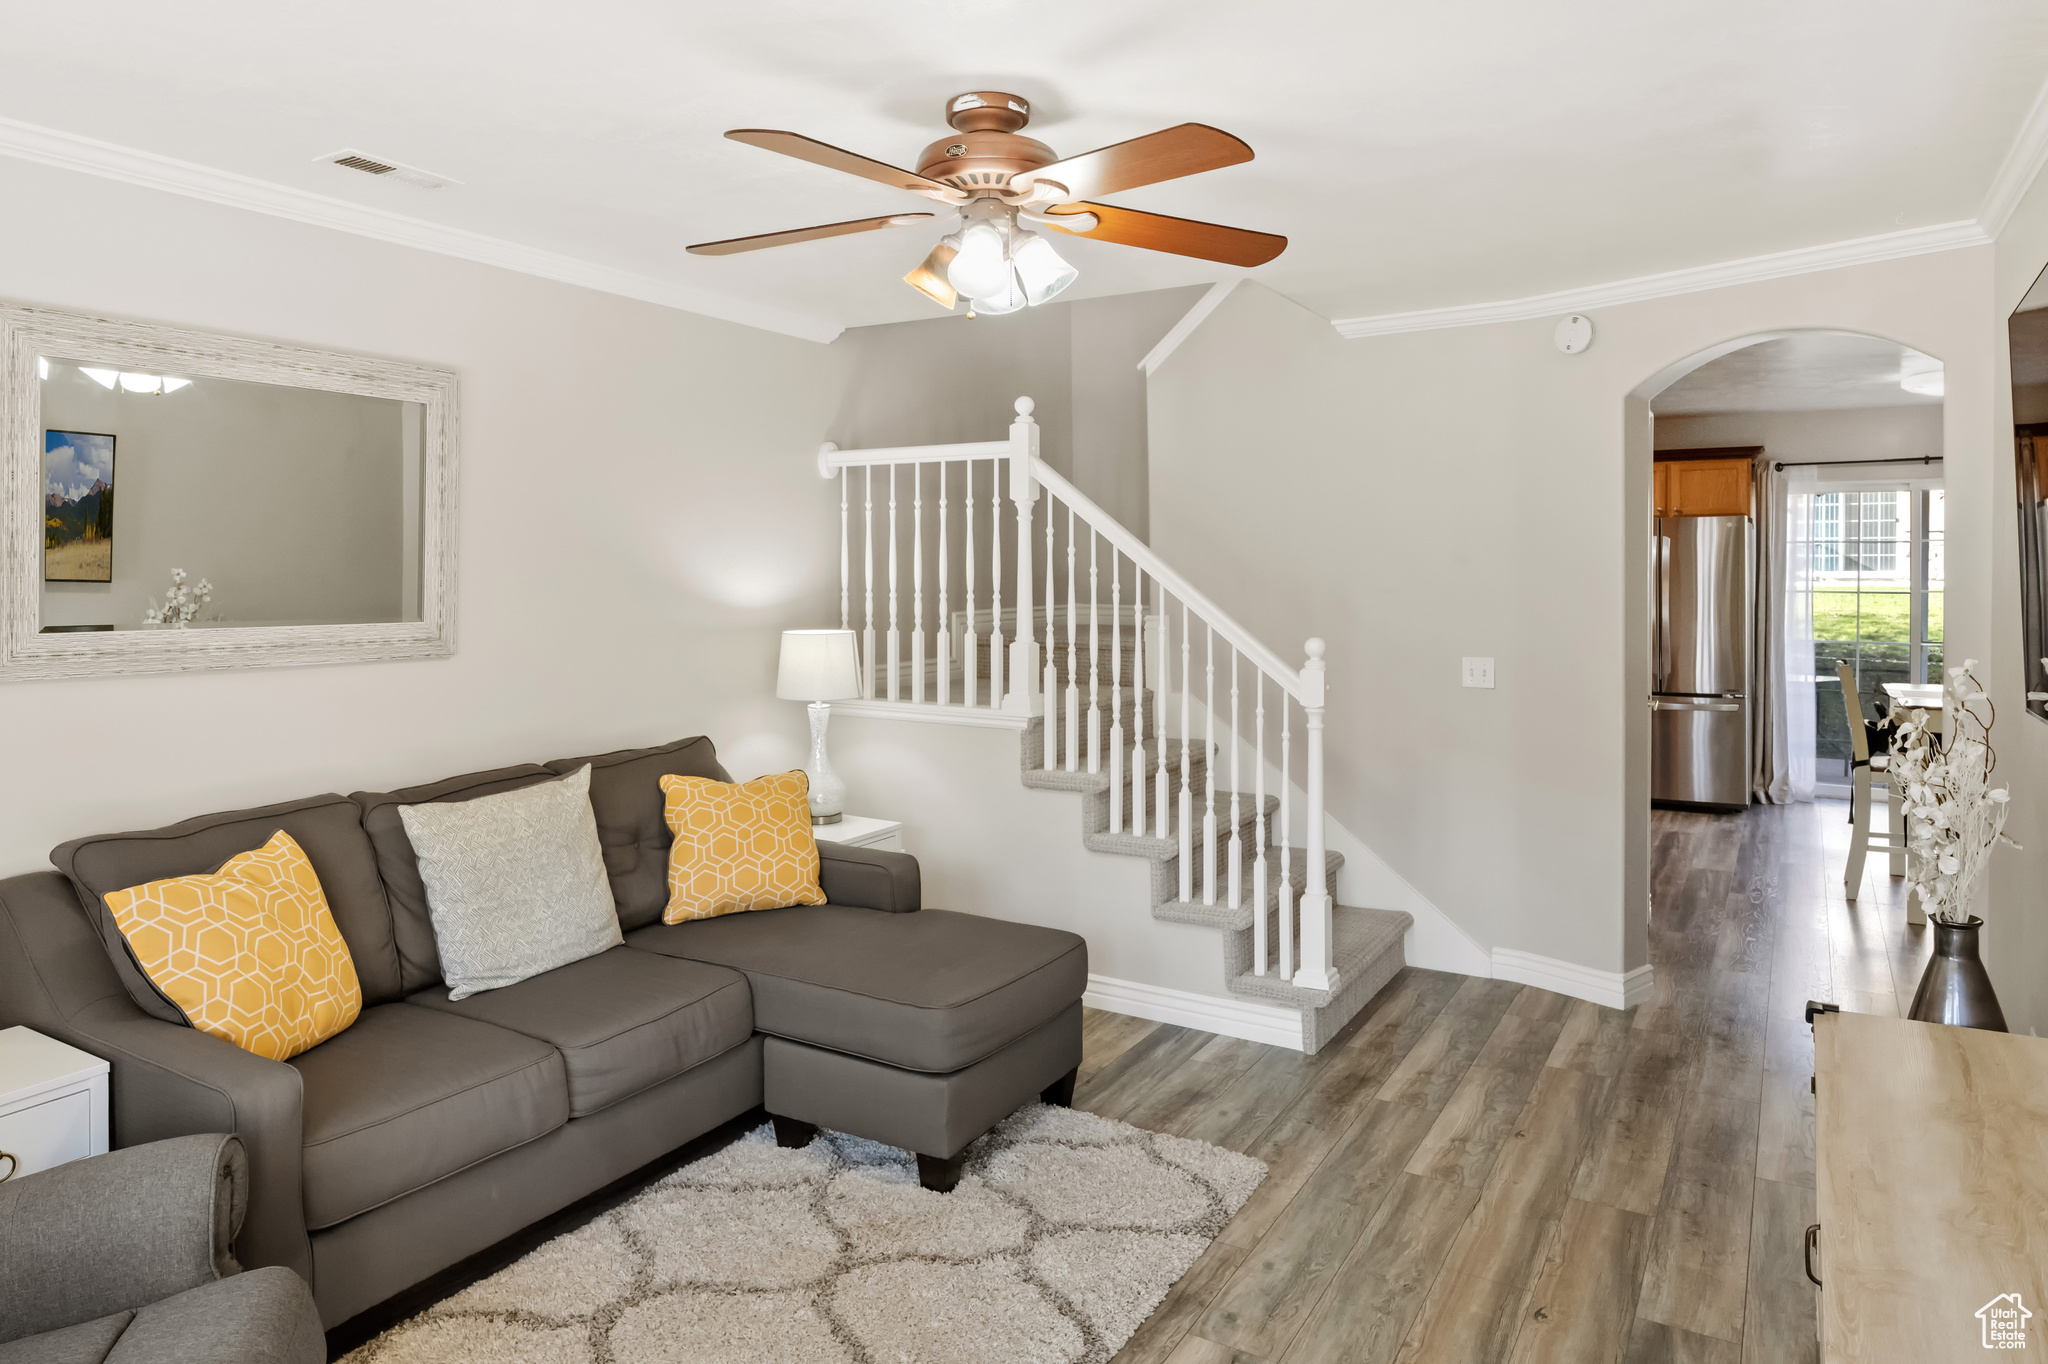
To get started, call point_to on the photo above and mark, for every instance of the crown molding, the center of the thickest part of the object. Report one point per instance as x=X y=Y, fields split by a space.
x=2023 y=162
x=1183 y=329
x=68 y=151
x=1914 y=241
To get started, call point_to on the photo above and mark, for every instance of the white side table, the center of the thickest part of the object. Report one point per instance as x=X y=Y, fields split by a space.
x=863 y=831
x=53 y=1102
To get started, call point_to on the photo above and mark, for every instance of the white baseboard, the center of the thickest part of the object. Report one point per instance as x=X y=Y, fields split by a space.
x=1268 y=1023
x=1611 y=989
x=978 y=717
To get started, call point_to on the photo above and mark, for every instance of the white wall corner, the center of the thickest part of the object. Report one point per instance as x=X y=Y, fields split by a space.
x=1232 y=1017
x=1183 y=329
x=109 y=161
x=1609 y=989
x=1913 y=241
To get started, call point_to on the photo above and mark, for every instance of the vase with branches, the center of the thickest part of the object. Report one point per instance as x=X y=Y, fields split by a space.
x=1955 y=814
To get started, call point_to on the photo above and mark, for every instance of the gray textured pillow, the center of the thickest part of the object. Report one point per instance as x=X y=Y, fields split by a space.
x=515 y=882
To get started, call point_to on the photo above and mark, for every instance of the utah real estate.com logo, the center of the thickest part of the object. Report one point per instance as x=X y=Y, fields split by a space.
x=2005 y=1320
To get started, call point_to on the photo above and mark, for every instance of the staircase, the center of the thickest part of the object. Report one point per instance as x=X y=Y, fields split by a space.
x=1101 y=685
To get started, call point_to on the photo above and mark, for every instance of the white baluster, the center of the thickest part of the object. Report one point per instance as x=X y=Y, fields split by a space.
x=845 y=620
x=1209 y=774
x=996 y=658
x=917 y=583
x=1318 y=944
x=1094 y=656
x=1259 y=948
x=1162 y=793
x=1116 y=691
x=1187 y=775
x=895 y=641
x=1024 y=698
x=1073 y=654
x=970 y=643
x=1286 y=852
x=867 y=537
x=1050 y=683
x=1139 y=771
x=945 y=622
x=1236 y=789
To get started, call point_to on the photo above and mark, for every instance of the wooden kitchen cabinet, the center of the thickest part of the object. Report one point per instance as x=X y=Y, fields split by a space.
x=1694 y=486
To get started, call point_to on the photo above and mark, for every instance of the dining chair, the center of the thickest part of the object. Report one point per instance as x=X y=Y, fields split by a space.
x=1869 y=770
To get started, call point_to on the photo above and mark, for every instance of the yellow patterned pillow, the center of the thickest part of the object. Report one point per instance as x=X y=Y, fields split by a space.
x=739 y=846
x=250 y=953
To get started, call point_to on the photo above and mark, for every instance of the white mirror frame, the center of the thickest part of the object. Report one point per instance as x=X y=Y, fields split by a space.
x=27 y=333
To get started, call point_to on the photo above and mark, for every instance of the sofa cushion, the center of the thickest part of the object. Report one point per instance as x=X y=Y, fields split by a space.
x=410 y=1095
x=623 y=1020
x=625 y=794
x=249 y=954
x=931 y=991
x=265 y=1316
x=327 y=828
x=412 y=926
x=516 y=882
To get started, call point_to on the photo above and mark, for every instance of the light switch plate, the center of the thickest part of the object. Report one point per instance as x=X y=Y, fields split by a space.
x=1479 y=672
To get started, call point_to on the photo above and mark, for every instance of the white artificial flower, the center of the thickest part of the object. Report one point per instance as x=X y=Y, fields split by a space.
x=2001 y=795
x=1950 y=864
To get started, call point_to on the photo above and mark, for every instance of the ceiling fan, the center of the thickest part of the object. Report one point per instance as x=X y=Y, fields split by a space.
x=1000 y=181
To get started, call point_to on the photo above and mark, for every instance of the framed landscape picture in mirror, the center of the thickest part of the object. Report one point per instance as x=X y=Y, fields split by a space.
x=78 y=507
x=278 y=504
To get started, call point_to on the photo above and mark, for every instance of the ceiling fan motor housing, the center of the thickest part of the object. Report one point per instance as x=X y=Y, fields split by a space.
x=986 y=152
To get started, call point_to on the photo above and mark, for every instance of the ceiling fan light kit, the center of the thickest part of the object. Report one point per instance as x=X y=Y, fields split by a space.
x=999 y=180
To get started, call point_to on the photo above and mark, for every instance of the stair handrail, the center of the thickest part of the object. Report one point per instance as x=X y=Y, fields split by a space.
x=1114 y=531
x=1029 y=692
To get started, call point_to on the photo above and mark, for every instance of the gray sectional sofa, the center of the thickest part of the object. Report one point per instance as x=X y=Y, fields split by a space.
x=431 y=1129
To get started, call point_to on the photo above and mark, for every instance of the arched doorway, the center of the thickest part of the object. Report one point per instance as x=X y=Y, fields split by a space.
x=1839 y=558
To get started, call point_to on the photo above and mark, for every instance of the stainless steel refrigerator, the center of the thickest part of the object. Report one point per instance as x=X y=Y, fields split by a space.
x=1699 y=638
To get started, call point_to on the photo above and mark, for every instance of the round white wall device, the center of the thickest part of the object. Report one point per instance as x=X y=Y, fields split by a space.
x=1574 y=334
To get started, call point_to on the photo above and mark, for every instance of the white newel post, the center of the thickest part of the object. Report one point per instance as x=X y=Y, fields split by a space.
x=1023 y=697
x=1318 y=969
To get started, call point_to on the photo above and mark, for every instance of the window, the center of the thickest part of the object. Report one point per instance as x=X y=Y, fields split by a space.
x=1876 y=581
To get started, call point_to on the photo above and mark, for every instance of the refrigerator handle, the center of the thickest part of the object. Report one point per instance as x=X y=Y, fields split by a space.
x=1663 y=641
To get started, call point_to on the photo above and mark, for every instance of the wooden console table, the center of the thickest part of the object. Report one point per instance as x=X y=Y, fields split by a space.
x=1933 y=1189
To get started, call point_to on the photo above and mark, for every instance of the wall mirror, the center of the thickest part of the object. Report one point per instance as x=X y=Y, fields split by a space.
x=2027 y=331
x=178 y=500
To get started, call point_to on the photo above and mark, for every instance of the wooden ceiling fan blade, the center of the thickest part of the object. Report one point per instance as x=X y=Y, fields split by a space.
x=839 y=159
x=734 y=245
x=1165 y=155
x=1181 y=236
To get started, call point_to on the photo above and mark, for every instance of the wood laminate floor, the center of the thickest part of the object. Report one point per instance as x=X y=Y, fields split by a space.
x=1479 y=1172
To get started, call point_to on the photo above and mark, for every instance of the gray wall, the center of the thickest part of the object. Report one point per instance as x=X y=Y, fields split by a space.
x=955 y=379
x=1836 y=435
x=289 y=500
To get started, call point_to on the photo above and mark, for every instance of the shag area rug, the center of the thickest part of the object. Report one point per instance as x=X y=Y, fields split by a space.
x=1065 y=1232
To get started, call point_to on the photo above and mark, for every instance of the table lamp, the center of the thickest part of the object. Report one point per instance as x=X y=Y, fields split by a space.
x=820 y=666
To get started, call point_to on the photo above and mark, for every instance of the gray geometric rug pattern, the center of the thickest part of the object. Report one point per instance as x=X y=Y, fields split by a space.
x=1064 y=1233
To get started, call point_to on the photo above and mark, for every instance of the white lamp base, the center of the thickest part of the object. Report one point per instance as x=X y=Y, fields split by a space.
x=828 y=793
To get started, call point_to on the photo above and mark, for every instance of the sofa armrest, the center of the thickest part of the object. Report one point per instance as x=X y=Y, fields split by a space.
x=167 y=1081
x=119 y=1231
x=869 y=878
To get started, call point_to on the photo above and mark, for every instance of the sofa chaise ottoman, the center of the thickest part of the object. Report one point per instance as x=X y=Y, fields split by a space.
x=431 y=1129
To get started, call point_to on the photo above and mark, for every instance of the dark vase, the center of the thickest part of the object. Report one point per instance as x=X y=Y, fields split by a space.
x=1956 y=989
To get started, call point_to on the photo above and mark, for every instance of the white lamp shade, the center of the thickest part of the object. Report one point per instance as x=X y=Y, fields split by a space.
x=818 y=665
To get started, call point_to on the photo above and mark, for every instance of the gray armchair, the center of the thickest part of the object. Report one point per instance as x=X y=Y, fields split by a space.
x=126 y=1258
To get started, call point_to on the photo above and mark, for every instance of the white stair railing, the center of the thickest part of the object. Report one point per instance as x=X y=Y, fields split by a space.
x=1131 y=739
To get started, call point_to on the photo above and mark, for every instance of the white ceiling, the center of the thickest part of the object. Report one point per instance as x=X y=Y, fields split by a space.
x=1417 y=155
x=1799 y=372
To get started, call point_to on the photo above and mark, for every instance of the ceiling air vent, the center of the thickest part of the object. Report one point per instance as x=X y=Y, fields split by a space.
x=396 y=170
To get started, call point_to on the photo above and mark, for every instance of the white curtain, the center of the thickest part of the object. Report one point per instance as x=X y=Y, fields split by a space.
x=1769 y=775
x=1796 y=673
